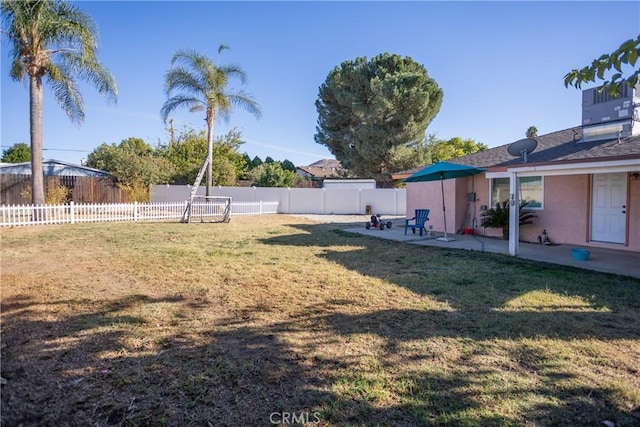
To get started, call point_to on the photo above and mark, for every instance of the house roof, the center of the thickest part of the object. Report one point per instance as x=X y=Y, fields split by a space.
x=52 y=167
x=323 y=169
x=318 y=172
x=327 y=163
x=564 y=146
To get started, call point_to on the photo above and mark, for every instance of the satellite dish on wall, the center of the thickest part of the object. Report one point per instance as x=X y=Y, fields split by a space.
x=522 y=148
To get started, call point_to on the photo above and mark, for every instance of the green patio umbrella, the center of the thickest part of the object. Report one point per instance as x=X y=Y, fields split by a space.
x=441 y=171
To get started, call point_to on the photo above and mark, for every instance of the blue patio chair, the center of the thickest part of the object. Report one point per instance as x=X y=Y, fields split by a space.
x=422 y=216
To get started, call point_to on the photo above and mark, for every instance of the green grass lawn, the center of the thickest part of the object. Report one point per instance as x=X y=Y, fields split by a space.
x=279 y=319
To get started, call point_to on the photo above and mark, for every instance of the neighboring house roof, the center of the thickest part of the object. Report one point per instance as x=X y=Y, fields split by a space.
x=559 y=147
x=52 y=168
x=327 y=163
x=325 y=168
x=316 y=172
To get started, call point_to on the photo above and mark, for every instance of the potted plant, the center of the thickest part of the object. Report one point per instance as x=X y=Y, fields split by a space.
x=498 y=217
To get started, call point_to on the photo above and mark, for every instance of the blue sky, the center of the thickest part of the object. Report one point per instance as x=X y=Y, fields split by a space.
x=500 y=65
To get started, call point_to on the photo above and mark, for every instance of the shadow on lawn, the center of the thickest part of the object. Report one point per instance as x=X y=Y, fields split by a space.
x=480 y=288
x=485 y=290
x=241 y=374
x=107 y=365
x=237 y=374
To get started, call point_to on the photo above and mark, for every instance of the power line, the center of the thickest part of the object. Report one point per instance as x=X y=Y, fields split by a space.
x=53 y=149
x=65 y=149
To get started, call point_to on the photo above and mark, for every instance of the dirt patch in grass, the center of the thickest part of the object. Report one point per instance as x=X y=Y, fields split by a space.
x=277 y=319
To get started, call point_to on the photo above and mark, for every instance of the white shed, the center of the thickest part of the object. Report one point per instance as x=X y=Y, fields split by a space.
x=357 y=184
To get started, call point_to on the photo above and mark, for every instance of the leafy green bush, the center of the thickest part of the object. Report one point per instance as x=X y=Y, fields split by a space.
x=273 y=175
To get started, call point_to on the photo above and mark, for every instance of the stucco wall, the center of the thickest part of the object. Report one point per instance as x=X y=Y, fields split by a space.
x=565 y=213
x=428 y=195
x=566 y=210
x=467 y=211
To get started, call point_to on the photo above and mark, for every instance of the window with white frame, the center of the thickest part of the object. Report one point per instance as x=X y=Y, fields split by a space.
x=530 y=191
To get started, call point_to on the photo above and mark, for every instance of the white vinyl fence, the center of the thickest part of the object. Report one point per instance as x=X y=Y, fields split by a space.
x=23 y=215
x=323 y=201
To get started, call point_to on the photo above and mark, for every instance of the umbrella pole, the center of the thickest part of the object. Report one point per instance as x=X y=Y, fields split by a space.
x=444 y=213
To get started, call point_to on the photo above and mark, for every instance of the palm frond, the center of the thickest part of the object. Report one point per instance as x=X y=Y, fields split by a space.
x=18 y=71
x=182 y=79
x=66 y=92
x=247 y=102
x=190 y=58
x=233 y=70
x=73 y=28
x=200 y=79
x=59 y=40
x=179 y=101
x=525 y=215
x=498 y=217
x=89 y=70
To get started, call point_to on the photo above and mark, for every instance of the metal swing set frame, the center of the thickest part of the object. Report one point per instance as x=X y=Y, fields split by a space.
x=217 y=207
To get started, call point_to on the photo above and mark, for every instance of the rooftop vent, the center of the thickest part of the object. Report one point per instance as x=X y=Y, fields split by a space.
x=598 y=106
x=607 y=117
x=600 y=96
x=605 y=131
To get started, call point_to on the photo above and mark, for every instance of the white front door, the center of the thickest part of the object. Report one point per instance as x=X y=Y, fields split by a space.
x=608 y=207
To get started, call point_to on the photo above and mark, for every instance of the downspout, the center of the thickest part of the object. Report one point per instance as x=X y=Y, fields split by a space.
x=514 y=214
x=474 y=221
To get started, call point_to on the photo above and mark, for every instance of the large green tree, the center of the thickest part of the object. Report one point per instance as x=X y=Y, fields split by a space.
x=372 y=114
x=288 y=165
x=197 y=83
x=257 y=161
x=190 y=147
x=135 y=165
x=52 y=40
x=185 y=152
x=247 y=160
x=625 y=55
x=442 y=150
x=273 y=175
x=17 y=153
x=229 y=164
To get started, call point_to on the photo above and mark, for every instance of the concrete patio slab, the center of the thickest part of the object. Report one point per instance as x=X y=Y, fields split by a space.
x=621 y=262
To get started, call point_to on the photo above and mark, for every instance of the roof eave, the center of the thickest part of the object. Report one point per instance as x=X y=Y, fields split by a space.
x=572 y=167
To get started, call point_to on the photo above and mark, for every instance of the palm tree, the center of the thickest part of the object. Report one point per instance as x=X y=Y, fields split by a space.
x=532 y=132
x=53 y=39
x=202 y=86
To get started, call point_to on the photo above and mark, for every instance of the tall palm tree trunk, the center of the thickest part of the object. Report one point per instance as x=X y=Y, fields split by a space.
x=209 y=153
x=35 y=106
